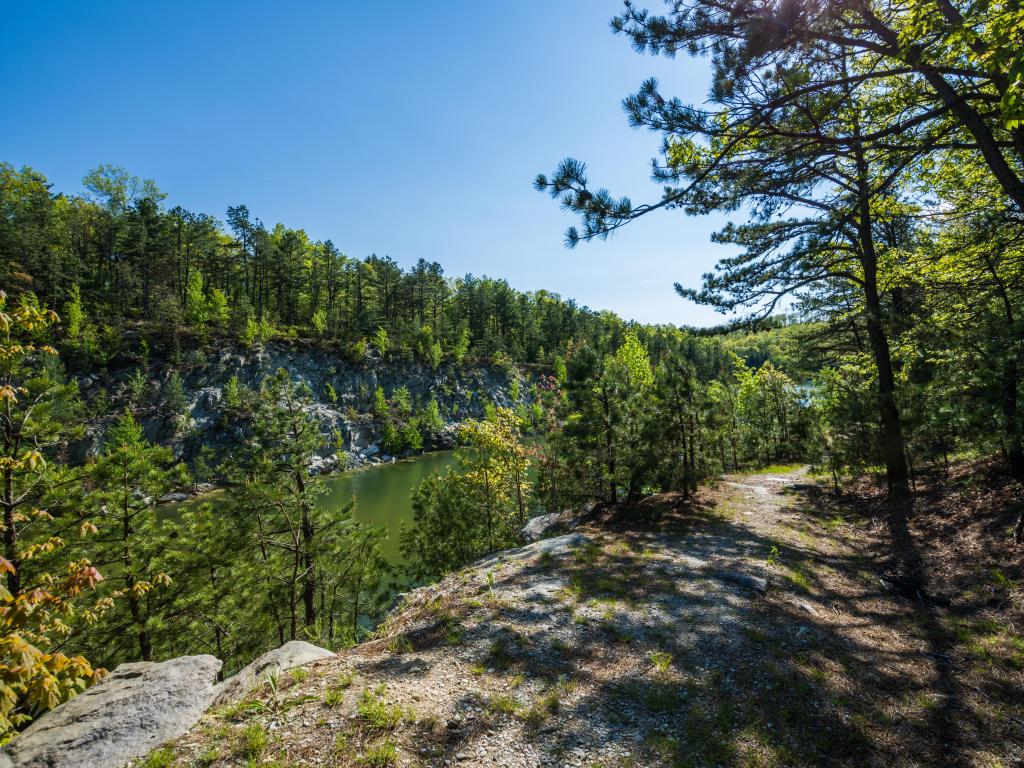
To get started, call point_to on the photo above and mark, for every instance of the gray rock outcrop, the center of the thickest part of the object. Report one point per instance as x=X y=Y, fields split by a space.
x=292 y=654
x=129 y=713
x=541 y=526
x=559 y=545
x=343 y=392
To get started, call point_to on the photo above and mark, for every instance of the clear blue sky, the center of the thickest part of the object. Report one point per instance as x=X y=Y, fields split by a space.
x=410 y=129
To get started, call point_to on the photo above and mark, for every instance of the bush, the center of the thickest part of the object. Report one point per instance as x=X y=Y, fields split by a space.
x=358 y=349
x=380 y=403
x=403 y=401
x=319 y=321
x=391 y=438
x=411 y=437
x=232 y=393
x=173 y=394
x=430 y=419
x=381 y=341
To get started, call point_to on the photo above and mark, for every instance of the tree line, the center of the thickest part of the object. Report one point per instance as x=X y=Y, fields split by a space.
x=653 y=411
x=116 y=254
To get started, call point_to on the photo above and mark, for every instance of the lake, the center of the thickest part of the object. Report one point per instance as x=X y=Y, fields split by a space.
x=383 y=493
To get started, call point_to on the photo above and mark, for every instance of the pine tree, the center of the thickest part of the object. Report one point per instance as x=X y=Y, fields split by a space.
x=128 y=478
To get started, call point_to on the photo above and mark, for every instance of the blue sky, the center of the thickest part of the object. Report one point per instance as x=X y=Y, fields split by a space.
x=409 y=128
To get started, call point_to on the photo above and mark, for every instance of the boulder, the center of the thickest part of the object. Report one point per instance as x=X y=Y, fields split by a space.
x=541 y=526
x=558 y=546
x=556 y=523
x=295 y=653
x=128 y=714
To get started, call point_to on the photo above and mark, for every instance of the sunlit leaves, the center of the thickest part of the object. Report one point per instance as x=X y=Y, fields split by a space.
x=33 y=618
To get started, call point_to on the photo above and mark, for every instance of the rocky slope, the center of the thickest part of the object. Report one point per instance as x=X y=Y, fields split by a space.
x=459 y=392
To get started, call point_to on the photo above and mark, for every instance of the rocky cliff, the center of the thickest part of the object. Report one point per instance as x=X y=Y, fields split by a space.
x=343 y=392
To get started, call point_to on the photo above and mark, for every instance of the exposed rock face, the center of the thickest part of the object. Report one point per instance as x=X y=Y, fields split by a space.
x=343 y=392
x=128 y=714
x=540 y=526
x=295 y=653
x=554 y=547
x=555 y=523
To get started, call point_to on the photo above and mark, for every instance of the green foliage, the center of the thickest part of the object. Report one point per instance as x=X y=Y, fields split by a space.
x=411 y=438
x=391 y=439
x=74 y=314
x=172 y=393
x=217 y=311
x=376 y=713
x=358 y=349
x=160 y=758
x=196 y=309
x=380 y=755
x=382 y=342
x=182 y=275
x=627 y=428
x=632 y=362
x=561 y=372
x=317 y=562
x=137 y=386
x=257 y=331
x=319 y=321
x=380 y=403
x=83 y=337
x=402 y=401
x=126 y=479
x=42 y=590
x=232 y=393
x=461 y=347
x=430 y=420
x=427 y=349
x=462 y=515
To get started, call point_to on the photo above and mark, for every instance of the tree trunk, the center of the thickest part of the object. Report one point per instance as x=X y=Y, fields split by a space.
x=609 y=445
x=1011 y=419
x=11 y=535
x=893 y=450
x=309 y=569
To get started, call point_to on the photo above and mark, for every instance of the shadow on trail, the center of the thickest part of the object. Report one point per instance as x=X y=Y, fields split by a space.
x=634 y=645
x=640 y=645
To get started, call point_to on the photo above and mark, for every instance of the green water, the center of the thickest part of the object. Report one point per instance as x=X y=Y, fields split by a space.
x=383 y=492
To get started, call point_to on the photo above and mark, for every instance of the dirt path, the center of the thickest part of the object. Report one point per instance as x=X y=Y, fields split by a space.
x=655 y=648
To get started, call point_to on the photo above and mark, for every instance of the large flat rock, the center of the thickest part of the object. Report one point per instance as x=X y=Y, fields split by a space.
x=559 y=545
x=129 y=713
x=295 y=653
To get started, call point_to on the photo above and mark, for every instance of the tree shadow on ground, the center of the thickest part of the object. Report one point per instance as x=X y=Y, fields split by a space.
x=644 y=641
x=659 y=652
